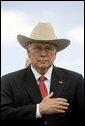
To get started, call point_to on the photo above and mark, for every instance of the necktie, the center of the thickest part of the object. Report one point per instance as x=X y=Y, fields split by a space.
x=42 y=87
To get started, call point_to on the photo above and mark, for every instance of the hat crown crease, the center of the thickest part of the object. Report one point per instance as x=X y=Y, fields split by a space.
x=43 y=31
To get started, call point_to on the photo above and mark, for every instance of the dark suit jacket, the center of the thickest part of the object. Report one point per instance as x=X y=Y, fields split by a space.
x=20 y=94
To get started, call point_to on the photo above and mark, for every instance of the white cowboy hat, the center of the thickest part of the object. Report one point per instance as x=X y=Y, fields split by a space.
x=43 y=32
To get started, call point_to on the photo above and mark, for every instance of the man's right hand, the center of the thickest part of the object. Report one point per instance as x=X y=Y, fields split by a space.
x=51 y=105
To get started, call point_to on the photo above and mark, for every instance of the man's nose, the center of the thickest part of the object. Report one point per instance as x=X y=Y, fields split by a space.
x=43 y=52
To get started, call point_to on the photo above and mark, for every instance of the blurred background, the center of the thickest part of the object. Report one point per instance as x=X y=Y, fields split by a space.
x=20 y=17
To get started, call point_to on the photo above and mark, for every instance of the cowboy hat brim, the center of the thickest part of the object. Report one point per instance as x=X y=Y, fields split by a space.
x=59 y=43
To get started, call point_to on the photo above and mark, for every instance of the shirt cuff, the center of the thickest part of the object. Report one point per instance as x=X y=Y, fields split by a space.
x=38 y=115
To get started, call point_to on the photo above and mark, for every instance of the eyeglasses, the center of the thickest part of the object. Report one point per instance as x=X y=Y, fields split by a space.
x=47 y=49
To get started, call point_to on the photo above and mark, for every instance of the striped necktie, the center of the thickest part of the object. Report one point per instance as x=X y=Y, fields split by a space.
x=42 y=87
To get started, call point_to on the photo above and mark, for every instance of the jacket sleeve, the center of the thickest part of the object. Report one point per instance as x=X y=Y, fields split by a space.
x=79 y=108
x=9 y=111
x=80 y=94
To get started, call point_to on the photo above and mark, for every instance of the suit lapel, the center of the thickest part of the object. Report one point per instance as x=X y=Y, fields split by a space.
x=57 y=82
x=31 y=86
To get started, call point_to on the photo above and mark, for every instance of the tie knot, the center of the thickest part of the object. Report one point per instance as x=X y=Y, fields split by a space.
x=42 y=78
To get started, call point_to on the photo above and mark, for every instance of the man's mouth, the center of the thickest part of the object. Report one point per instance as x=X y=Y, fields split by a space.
x=42 y=60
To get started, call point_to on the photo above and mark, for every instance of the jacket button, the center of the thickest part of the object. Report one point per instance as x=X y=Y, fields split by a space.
x=45 y=122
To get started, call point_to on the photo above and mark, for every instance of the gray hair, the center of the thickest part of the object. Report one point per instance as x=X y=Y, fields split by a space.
x=29 y=45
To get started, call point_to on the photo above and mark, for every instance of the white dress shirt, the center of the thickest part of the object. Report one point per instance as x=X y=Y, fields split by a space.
x=47 y=83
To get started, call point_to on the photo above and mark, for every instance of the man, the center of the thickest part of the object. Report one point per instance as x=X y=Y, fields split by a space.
x=42 y=94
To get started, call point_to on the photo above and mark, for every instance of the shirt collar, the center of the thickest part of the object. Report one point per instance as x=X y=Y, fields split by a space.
x=47 y=75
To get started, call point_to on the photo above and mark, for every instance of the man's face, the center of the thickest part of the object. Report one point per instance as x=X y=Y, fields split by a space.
x=41 y=55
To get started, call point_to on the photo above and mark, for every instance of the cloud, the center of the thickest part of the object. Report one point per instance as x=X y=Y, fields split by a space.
x=75 y=65
x=77 y=34
x=13 y=23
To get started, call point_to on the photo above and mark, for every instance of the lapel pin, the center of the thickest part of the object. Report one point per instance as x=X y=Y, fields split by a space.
x=60 y=82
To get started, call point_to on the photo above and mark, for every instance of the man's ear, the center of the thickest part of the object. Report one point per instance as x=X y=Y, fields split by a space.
x=28 y=52
x=55 y=54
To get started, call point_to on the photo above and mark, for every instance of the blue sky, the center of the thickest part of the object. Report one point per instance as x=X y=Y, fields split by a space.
x=19 y=17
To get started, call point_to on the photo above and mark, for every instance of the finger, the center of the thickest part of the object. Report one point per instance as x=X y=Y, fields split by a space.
x=61 y=99
x=50 y=95
x=58 y=106
x=62 y=107
x=60 y=111
x=64 y=103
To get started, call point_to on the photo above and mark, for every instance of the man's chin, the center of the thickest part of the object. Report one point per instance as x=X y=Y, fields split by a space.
x=44 y=66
